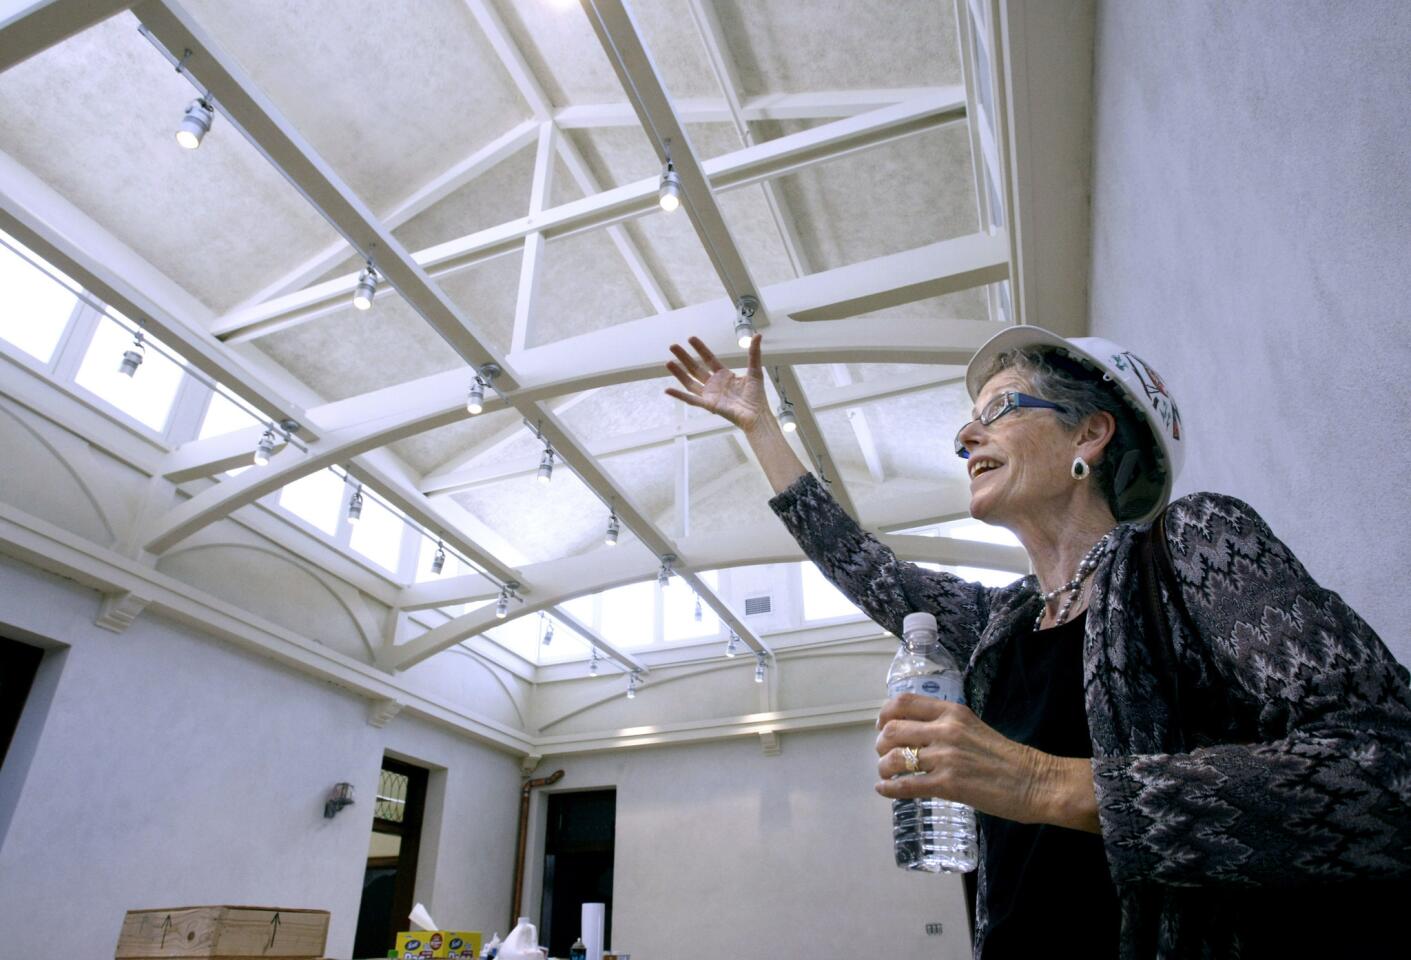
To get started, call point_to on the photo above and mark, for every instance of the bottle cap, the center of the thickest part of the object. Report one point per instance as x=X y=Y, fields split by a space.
x=921 y=620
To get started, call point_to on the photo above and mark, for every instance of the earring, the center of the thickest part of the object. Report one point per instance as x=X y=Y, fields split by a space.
x=1080 y=469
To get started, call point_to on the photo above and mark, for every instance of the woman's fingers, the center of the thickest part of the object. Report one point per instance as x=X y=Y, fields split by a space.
x=689 y=398
x=706 y=355
x=689 y=383
x=913 y=706
x=756 y=367
x=689 y=362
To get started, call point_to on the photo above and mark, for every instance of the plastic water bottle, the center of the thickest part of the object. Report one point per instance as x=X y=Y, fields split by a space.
x=934 y=835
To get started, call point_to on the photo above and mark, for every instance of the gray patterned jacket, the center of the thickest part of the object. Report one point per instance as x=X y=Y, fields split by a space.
x=1295 y=767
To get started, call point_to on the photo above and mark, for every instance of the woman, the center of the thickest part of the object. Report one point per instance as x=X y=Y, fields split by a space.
x=1208 y=758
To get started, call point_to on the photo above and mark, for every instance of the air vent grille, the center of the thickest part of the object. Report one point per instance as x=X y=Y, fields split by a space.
x=757 y=605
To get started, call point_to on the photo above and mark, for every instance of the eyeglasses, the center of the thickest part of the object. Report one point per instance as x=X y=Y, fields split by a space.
x=1006 y=402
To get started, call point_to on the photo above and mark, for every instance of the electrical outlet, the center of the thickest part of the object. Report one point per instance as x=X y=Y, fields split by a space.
x=934 y=929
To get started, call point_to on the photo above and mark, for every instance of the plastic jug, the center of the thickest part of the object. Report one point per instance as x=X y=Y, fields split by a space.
x=522 y=943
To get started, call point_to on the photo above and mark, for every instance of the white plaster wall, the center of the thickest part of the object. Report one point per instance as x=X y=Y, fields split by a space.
x=722 y=851
x=1250 y=218
x=160 y=767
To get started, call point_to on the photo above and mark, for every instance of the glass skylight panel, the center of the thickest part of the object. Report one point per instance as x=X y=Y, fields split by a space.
x=567 y=645
x=969 y=528
x=629 y=615
x=520 y=636
x=822 y=600
x=224 y=415
x=426 y=553
x=317 y=498
x=679 y=611
x=989 y=577
x=378 y=534
x=147 y=395
x=36 y=307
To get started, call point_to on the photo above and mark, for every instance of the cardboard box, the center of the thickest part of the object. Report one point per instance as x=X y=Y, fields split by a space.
x=223 y=931
x=429 y=944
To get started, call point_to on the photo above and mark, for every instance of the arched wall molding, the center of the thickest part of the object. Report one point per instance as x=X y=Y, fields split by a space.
x=52 y=446
x=494 y=673
x=346 y=597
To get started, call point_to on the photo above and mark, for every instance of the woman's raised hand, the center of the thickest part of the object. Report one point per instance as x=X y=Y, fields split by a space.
x=710 y=386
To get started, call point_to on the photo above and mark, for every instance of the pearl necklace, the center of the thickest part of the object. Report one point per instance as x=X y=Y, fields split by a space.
x=1073 y=587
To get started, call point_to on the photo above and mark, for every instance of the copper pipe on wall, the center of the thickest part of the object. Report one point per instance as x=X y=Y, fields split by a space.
x=520 y=850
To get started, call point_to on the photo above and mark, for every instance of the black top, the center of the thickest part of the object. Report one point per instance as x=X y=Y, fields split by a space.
x=1049 y=890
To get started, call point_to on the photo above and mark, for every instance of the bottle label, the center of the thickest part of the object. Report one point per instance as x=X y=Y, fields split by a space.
x=942 y=687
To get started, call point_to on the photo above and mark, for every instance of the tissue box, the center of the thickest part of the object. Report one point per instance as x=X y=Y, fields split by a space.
x=223 y=931
x=419 y=944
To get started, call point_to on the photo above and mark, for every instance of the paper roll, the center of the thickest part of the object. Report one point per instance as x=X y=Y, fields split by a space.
x=421 y=920
x=593 y=930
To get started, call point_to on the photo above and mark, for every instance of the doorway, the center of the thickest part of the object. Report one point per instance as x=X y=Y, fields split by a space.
x=578 y=851
x=389 y=881
x=19 y=662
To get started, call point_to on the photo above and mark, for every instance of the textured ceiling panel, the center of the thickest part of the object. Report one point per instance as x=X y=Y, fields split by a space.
x=348 y=352
x=711 y=460
x=496 y=196
x=674 y=254
x=842 y=443
x=585 y=285
x=738 y=501
x=544 y=521
x=648 y=477
x=389 y=94
x=95 y=118
x=915 y=433
x=757 y=235
x=783 y=46
x=434 y=449
x=894 y=197
x=622 y=409
x=617 y=155
x=565 y=56
x=485 y=295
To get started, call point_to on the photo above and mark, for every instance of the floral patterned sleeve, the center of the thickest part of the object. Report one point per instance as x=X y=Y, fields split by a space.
x=869 y=574
x=1322 y=792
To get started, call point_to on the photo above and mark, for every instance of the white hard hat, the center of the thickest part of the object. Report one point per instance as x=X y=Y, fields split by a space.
x=1137 y=383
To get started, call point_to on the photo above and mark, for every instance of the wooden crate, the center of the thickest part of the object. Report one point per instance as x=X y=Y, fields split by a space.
x=224 y=931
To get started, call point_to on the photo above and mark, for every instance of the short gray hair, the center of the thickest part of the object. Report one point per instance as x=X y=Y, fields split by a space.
x=1083 y=391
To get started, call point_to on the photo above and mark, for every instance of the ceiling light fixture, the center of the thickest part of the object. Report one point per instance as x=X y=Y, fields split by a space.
x=355 y=504
x=366 y=289
x=502 y=605
x=546 y=465
x=438 y=562
x=730 y=650
x=698 y=608
x=665 y=573
x=669 y=193
x=759 y=668
x=265 y=448
x=195 y=123
x=744 y=320
x=614 y=528
x=632 y=685
x=787 y=420
x=133 y=356
x=593 y=663
x=484 y=376
x=548 y=628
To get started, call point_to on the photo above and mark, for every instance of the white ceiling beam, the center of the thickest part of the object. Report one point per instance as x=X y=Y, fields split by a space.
x=817 y=105
x=55 y=229
x=27 y=29
x=433 y=192
x=471 y=475
x=741 y=168
x=531 y=263
x=246 y=108
x=857 y=417
x=596 y=639
x=635 y=350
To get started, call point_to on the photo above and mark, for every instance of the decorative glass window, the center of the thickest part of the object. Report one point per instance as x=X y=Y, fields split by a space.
x=147 y=395
x=317 y=498
x=822 y=600
x=36 y=307
x=378 y=534
x=679 y=611
x=629 y=615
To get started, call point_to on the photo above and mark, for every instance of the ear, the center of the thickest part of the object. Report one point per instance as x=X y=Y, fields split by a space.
x=1093 y=435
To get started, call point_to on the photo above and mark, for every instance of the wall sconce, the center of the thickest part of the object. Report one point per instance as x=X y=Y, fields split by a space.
x=339 y=797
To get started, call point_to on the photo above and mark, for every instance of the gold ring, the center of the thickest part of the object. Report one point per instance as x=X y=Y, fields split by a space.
x=913 y=762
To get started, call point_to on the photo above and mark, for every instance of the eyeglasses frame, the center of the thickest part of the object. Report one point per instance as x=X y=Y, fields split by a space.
x=1013 y=400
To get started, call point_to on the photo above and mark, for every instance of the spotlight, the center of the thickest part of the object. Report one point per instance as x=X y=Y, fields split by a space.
x=502 y=605
x=195 y=123
x=133 y=356
x=787 y=420
x=366 y=289
x=698 y=608
x=664 y=574
x=744 y=321
x=759 y=668
x=548 y=631
x=613 y=529
x=546 y=465
x=265 y=447
x=669 y=193
x=730 y=650
x=593 y=663
x=632 y=685
x=476 y=401
x=355 y=504
x=438 y=562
